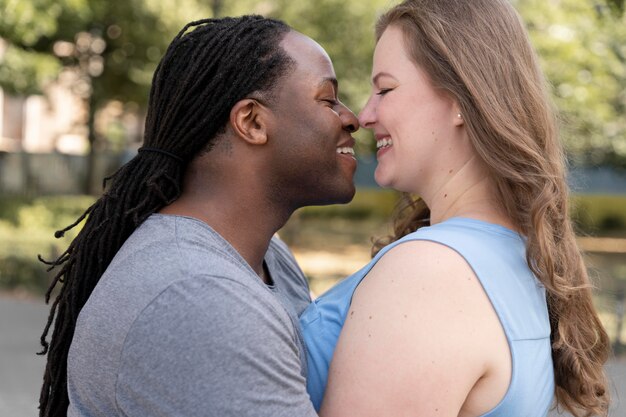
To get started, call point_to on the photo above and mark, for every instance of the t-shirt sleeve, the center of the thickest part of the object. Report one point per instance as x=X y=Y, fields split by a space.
x=212 y=347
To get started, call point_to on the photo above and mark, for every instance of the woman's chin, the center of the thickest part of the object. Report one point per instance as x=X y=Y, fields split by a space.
x=382 y=180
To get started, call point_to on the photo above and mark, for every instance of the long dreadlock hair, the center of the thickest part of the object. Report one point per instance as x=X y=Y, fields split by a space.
x=209 y=66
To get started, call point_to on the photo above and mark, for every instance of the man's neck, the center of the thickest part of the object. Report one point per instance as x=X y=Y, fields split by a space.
x=247 y=224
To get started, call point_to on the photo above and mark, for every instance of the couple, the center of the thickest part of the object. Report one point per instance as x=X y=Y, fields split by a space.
x=178 y=301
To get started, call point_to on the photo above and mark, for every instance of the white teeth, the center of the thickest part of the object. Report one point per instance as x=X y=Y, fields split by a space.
x=346 y=150
x=381 y=143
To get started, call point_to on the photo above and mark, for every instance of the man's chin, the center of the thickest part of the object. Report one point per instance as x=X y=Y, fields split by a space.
x=348 y=197
x=340 y=198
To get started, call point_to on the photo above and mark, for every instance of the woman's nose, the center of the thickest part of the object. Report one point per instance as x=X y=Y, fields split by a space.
x=367 y=115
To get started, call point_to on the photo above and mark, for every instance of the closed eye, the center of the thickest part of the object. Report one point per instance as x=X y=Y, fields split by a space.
x=384 y=91
x=333 y=102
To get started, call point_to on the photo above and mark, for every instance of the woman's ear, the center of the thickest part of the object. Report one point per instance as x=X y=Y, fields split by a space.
x=457 y=116
x=248 y=121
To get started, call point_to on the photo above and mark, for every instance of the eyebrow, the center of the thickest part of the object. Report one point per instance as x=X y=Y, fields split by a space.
x=331 y=80
x=381 y=74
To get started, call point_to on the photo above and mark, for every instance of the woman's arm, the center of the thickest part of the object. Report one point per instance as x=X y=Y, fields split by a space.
x=419 y=335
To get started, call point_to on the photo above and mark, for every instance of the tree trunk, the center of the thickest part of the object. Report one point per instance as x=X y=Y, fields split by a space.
x=88 y=185
x=216 y=7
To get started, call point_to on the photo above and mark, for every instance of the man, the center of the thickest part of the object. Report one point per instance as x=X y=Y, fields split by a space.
x=195 y=308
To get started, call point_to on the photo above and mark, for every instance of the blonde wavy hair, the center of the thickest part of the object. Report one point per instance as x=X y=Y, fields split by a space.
x=478 y=52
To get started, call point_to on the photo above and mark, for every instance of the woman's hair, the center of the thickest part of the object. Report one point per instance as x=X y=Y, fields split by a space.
x=478 y=52
x=209 y=66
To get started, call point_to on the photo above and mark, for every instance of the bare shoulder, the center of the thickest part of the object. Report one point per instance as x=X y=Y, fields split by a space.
x=418 y=321
x=419 y=279
x=420 y=265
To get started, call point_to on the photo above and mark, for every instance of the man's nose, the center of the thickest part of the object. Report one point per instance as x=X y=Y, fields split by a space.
x=349 y=120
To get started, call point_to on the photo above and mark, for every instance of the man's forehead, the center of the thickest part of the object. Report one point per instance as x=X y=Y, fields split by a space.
x=309 y=56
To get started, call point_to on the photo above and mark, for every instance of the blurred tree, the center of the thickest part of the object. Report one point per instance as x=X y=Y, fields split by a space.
x=617 y=6
x=216 y=7
x=113 y=46
x=582 y=45
x=22 y=69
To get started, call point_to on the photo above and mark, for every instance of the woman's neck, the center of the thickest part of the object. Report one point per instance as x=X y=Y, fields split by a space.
x=471 y=193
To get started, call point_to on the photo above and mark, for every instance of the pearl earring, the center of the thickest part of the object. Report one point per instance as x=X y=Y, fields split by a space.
x=459 y=115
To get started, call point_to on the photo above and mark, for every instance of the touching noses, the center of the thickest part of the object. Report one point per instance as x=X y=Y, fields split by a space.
x=367 y=115
x=348 y=119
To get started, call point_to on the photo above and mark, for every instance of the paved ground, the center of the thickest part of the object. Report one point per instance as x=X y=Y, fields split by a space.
x=21 y=322
x=21 y=370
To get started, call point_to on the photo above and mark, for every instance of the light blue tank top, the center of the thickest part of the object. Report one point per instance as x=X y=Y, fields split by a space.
x=497 y=256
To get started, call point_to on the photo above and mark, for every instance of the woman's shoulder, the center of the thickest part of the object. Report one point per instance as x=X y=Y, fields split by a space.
x=463 y=228
x=418 y=260
x=423 y=275
x=454 y=240
x=421 y=313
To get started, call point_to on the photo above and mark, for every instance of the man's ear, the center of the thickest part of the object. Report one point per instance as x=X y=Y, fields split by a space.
x=248 y=119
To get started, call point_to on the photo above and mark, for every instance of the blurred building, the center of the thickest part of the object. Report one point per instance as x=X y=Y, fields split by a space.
x=44 y=138
x=53 y=122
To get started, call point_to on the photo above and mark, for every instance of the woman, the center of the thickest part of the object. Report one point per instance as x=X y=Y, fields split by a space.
x=480 y=303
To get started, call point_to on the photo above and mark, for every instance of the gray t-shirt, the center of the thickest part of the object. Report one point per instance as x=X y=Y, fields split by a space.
x=180 y=325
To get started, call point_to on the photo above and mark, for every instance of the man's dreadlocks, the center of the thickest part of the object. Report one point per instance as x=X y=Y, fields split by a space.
x=209 y=66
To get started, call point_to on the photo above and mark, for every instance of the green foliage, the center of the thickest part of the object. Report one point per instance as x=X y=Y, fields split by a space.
x=591 y=213
x=617 y=6
x=116 y=45
x=24 y=73
x=599 y=214
x=10 y=207
x=136 y=33
x=27 y=226
x=19 y=18
x=47 y=213
x=582 y=46
x=24 y=274
x=367 y=203
x=29 y=27
x=27 y=229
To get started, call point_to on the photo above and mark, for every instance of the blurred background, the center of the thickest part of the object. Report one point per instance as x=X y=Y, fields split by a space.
x=74 y=82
